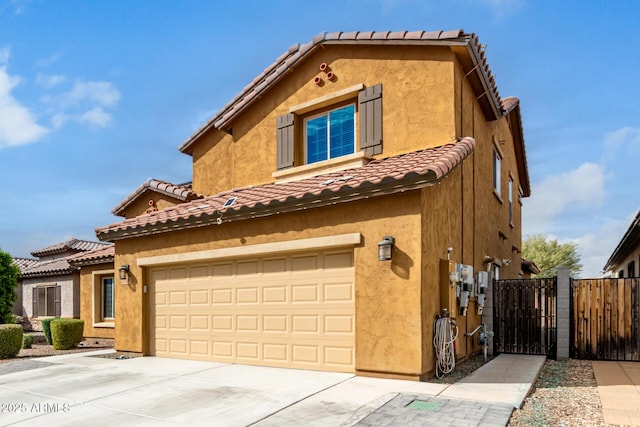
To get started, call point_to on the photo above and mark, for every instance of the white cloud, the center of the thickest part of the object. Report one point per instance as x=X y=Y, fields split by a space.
x=101 y=93
x=18 y=124
x=596 y=247
x=582 y=187
x=626 y=138
x=4 y=55
x=96 y=116
x=49 y=81
x=48 y=61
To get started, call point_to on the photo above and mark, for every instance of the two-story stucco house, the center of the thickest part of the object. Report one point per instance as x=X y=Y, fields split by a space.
x=344 y=148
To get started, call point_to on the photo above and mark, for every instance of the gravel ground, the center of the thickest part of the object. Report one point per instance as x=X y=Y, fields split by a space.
x=565 y=394
x=43 y=349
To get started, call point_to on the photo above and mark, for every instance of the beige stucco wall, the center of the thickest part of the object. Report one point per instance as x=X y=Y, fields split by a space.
x=634 y=255
x=388 y=319
x=69 y=292
x=141 y=204
x=88 y=304
x=425 y=103
x=418 y=110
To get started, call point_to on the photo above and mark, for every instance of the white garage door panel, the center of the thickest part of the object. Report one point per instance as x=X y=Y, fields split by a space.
x=295 y=311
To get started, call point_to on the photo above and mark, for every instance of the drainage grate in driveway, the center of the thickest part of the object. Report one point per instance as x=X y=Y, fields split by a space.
x=421 y=405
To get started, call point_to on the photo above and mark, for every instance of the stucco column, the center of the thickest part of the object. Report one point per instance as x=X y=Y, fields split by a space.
x=487 y=312
x=563 y=313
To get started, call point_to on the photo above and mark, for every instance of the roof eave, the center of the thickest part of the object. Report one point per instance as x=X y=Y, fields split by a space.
x=347 y=195
x=630 y=239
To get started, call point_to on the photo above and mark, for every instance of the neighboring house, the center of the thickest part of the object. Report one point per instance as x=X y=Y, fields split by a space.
x=97 y=290
x=23 y=264
x=343 y=148
x=625 y=259
x=50 y=286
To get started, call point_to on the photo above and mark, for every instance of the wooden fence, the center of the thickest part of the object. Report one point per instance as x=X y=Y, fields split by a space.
x=605 y=319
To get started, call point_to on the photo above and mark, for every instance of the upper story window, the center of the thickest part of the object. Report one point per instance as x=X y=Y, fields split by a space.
x=331 y=134
x=631 y=269
x=497 y=160
x=324 y=129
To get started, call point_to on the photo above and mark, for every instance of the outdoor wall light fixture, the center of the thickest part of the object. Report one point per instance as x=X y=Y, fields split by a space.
x=123 y=273
x=385 y=248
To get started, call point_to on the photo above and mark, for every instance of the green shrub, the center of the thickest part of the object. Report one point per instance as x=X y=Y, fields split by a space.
x=10 y=341
x=27 y=341
x=66 y=333
x=46 y=328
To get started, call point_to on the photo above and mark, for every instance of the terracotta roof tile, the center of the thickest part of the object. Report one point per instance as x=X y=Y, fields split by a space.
x=98 y=256
x=24 y=263
x=70 y=245
x=297 y=53
x=54 y=267
x=181 y=192
x=378 y=177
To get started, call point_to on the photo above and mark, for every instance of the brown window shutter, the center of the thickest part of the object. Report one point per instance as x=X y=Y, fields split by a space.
x=34 y=302
x=370 y=117
x=285 y=141
x=58 y=297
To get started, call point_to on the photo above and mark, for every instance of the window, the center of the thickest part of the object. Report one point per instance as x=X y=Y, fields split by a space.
x=510 y=200
x=46 y=301
x=631 y=269
x=325 y=128
x=621 y=274
x=107 y=298
x=496 y=171
x=330 y=134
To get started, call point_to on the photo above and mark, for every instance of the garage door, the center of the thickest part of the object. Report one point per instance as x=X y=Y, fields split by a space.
x=292 y=311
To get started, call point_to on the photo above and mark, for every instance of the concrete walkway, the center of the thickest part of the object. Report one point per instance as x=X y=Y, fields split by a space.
x=70 y=390
x=619 y=390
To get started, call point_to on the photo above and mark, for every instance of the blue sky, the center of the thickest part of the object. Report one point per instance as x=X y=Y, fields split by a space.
x=96 y=96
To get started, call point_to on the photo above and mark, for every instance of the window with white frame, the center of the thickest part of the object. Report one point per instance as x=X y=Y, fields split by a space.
x=330 y=134
x=497 y=160
x=107 y=298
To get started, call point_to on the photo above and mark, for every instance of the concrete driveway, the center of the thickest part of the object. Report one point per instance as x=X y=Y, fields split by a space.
x=77 y=390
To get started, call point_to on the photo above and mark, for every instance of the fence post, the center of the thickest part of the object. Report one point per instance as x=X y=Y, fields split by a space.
x=563 y=313
x=488 y=312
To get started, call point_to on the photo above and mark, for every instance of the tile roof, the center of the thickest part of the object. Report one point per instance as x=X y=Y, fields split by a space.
x=467 y=45
x=25 y=263
x=511 y=106
x=181 y=192
x=378 y=177
x=70 y=245
x=54 y=267
x=630 y=240
x=99 y=256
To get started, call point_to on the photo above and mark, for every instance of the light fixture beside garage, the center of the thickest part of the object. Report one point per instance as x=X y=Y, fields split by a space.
x=123 y=274
x=385 y=248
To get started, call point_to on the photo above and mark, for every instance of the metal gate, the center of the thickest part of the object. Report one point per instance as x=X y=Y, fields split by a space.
x=525 y=316
x=605 y=323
